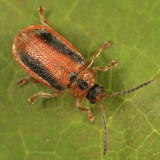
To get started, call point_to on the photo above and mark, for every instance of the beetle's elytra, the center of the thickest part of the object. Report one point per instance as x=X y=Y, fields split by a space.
x=53 y=61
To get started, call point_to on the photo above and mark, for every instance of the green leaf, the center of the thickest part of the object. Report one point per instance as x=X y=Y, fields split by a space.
x=55 y=128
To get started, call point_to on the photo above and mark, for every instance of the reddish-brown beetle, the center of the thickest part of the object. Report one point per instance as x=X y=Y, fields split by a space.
x=53 y=61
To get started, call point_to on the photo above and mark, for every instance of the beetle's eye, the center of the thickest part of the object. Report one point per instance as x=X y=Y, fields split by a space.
x=82 y=84
x=102 y=89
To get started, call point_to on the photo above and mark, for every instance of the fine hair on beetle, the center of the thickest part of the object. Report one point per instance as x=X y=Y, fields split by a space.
x=53 y=61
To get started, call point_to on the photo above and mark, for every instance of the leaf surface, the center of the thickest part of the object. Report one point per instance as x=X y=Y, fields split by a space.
x=55 y=128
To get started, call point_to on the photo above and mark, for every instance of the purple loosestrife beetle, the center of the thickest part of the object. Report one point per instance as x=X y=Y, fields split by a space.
x=53 y=61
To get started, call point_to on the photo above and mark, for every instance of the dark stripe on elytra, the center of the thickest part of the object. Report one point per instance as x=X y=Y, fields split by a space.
x=58 y=45
x=36 y=67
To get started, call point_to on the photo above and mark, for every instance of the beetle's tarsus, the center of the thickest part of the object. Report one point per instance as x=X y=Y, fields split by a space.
x=31 y=101
x=91 y=118
x=20 y=82
x=40 y=9
x=106 y=44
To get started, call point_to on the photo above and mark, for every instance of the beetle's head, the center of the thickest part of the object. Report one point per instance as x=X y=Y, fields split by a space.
x=95 y=94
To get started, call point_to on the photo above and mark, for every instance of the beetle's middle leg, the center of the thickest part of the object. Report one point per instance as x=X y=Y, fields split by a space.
x=45 y=95
x=91 y=60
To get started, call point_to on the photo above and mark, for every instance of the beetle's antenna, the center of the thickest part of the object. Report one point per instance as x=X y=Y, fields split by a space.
x=129 y=91
x=105 y=127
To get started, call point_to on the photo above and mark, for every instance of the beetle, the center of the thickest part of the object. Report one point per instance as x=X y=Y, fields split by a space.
x=53 y=61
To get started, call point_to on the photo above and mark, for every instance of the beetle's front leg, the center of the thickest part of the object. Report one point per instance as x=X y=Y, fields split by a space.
x=90 y=117
x=45 y=95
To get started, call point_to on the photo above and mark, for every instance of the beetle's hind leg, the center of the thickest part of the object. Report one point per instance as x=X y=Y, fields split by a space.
x=90 y=117
x=24 y=80
x=43 y=20
x=45 y=95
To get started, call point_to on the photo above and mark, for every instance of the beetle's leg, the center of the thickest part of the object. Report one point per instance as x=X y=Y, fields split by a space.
x=35 y=81
x=90 y=117
x=91 y=60
x=45 y=95
x=24 y=80
x=43 y=20
x=113 y=64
